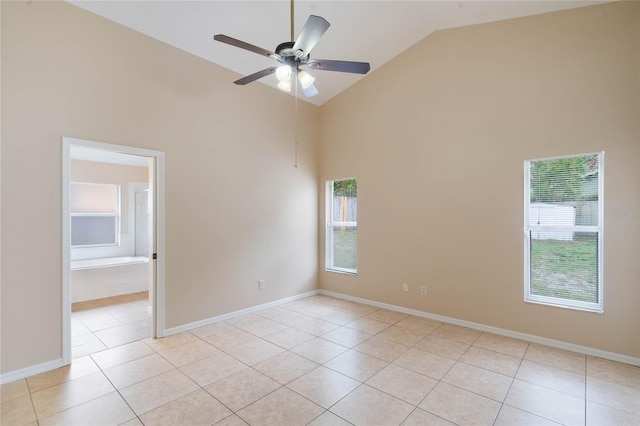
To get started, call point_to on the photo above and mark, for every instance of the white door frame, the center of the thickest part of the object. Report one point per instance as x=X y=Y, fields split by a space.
x=157 y=186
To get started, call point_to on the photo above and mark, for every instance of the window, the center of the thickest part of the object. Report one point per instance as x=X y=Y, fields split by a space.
x=342 y=225
x=95 y=214
x=563 y=231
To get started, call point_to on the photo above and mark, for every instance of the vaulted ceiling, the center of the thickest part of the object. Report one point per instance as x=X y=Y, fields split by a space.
x=364 y=31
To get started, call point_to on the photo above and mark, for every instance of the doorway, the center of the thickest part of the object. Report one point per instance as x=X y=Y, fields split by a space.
x=136 y=251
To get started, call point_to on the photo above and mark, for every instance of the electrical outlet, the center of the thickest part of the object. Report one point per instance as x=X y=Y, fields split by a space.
x=423 y=290
x=405 y=287
x=261 y=285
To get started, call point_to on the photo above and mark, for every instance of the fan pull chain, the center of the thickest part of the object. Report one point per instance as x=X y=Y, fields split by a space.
x=295 y=82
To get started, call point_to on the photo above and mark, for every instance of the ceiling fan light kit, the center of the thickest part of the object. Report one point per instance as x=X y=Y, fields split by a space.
x=292 y=55
x=283 y=73
x=285 y=86
x=306 y=80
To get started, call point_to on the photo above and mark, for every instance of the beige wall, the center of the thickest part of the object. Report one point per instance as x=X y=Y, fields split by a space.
x=237 y=211
x=117 y=174
x=437 y=139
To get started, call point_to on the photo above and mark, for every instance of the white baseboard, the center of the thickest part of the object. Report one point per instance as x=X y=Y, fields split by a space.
x=32 y=370
x=495 y=330
x=57 y=363
x=224 y=317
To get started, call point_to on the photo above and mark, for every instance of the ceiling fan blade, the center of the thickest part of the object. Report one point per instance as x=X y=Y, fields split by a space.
x=310 y=34
x=255 y=76
x=341 y=66
x=246 y=46
x=310 y=91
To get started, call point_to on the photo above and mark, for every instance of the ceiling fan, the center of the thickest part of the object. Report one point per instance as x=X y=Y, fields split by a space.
x=293 y=55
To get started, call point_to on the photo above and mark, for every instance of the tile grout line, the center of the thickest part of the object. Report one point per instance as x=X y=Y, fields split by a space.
x=176 y=368
x=118 y=391
x=249 y=367
x=33 y=406
x=102 y=370
x=106 y=308
x=356 y=317
x=319 y=365
x=535 y=384
x=440 y=379
x=513 y=379
x=586 y=378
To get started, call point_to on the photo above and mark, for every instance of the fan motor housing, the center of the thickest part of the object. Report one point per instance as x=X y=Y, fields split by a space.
x=290 y=56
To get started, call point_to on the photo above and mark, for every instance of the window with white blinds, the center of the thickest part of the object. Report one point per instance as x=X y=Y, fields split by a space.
x=95 y=214
x=563 y=231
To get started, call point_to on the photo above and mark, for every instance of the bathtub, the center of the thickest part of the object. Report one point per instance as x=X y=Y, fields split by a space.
x=113 y=276
x=107 y=261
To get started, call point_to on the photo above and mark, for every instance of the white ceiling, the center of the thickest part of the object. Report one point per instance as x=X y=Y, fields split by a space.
x=366 y=31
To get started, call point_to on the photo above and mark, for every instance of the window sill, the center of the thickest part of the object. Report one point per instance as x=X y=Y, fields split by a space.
x=553 y=304
x=342 y=271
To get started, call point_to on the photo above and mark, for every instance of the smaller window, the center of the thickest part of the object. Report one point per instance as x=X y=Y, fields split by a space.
x=95 y=214
x=342 y=226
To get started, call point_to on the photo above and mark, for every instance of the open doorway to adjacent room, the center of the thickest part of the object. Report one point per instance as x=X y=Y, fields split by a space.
x=113 y=281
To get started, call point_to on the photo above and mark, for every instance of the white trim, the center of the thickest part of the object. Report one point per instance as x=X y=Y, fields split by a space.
x=159 y=290
x=32 y=370
x=342 y=271
x=495 y=330
x=328 y=214
x=330 y=225
x=525 y=233
x=561 y=157
x=66 y=254
x=158 y=293
x=224 y=317
x=337 y=224
x=601 y=237
x=132 y=150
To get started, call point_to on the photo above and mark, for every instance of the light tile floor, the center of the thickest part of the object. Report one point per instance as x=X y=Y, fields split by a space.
x=322 y=361
x=100 y=324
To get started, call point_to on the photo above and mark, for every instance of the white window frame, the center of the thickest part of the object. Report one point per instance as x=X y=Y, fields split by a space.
x=330 y=224
x=553 y=301
x=115 y=216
